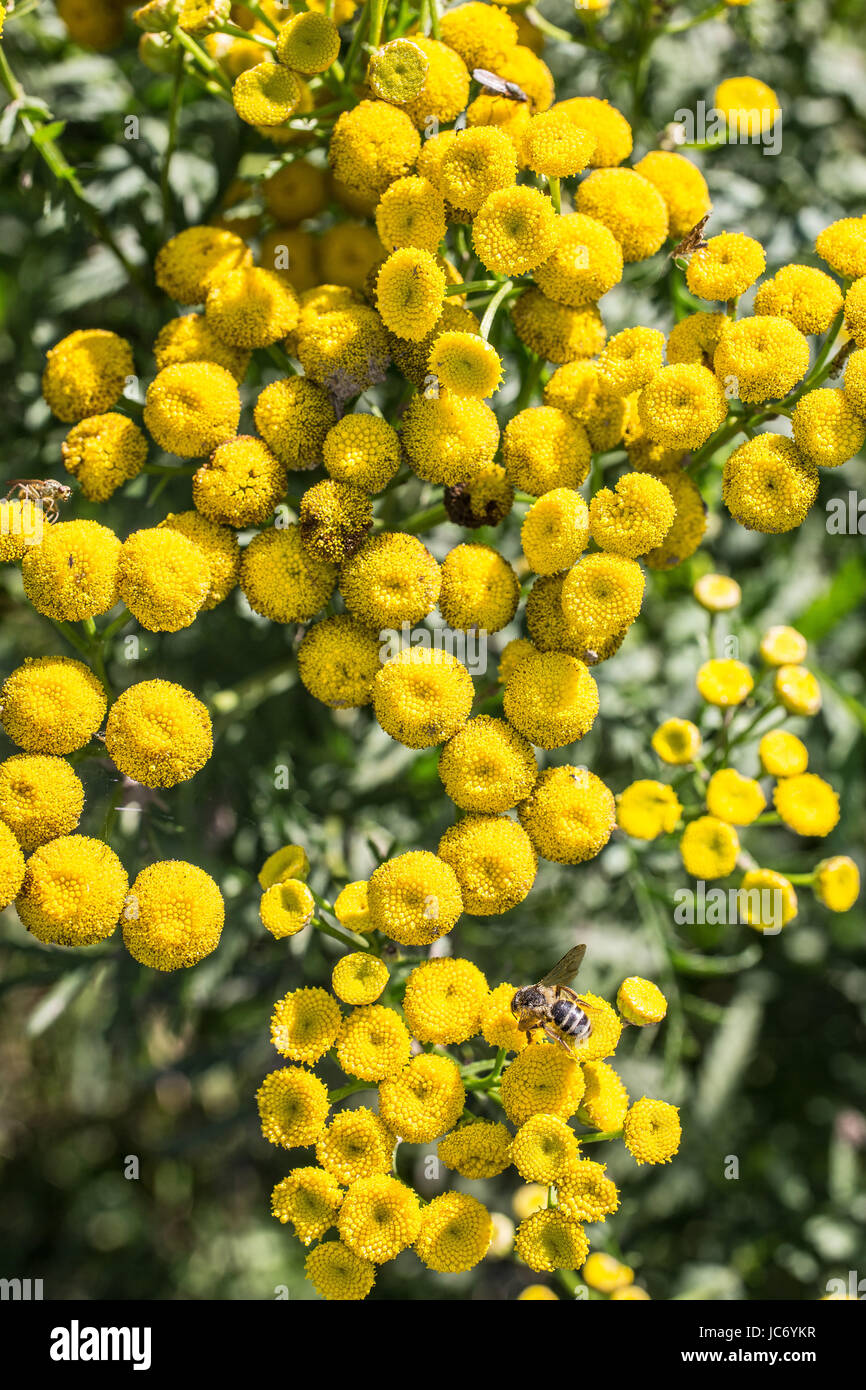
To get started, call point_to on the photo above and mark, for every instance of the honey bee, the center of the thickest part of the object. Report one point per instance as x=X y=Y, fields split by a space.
x=47 y=492
x=551 y=1005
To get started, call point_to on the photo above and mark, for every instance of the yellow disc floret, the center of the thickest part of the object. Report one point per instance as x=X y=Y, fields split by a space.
x=173 y=916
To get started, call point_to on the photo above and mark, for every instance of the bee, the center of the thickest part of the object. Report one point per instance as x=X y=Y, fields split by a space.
x=47 y=492
x=551 y=1005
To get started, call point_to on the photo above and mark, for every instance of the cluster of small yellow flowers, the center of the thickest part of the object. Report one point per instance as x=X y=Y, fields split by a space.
x=731 y=801
x=361 y=1203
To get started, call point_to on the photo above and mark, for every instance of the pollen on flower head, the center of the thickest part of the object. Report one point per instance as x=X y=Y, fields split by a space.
x=373 y=1044
x=477 y=1150
x=359 y=978
x=629 y=206
x=158 y=733
x=338 y=660
x=305 y=1024
x=652 y=1131
x=514 y=230
x=191 y=263
x=73 y=891
x=456 y=1230
x=767 y=484
x=163 y=579
x=569 y=814
x=293 y=1107
x=425 y=1100
x=73 y=574
x=543 y=1079
x=192 y=407
x=85 y=373
x=41 y=798
x=414 y=898
x=103 y=452
x=282 y=580
x=444 y=1000
x=338 y=1274
x=309 y=1199
x=51 y=704
x=551 y=1240
x=551 y=699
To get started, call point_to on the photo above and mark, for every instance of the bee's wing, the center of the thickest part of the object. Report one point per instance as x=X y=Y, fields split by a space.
x=566 y=969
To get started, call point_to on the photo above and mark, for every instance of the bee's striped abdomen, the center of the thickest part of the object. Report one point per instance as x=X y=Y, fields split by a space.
x=570 y=1019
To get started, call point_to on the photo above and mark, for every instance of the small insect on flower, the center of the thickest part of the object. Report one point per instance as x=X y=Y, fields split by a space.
x=47 y=492
x=553 y=1006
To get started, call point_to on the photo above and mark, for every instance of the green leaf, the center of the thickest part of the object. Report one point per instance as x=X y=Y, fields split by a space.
x=845 y=593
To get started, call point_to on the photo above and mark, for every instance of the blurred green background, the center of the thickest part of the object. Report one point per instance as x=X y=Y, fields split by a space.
x=100 y=1059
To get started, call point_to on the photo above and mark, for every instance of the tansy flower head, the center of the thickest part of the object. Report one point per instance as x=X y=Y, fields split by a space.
x=726 y=267
x=379 y=1217
x=363 y=450
x=334 y=518
x=682 y=186
x=477 y=162
x=641 y=1002
x=783 y=754
x=293 y=1107
x=551 y=1240
x=483 y=35
x=286 y=908
x=465 y=364
x=585 y=1192
x=422 y=696
x=556 y=331
x=855 y=310
x=372 y=145
x=41 y=798
x=411 y=213
x=843 y=246
x=543 y=1079
x=543 y=448
x=585 y=262
x=806 y=296
x=611 y=130
x=629 y=206
x=761 y=359
x=252 y=307
x=479 y=589
x=73 y=892
x=282 y=580
x=241 y=483
x=296 y=191
x=606 y=1030
x=305 y=1024
x=11 y=866
x=578 y=389
x=72 y=575
x=308 y=43
x=783 y=646
x=498 y=1025
x=52 y=704
x=709 y=848
x=751 y=107
x=415 y=898
x=192 y=407
x=542 y=1148
x=601 y=596
x=724 y=682
x=677 y=741
x=827 y=429
x=346 y=350
x=605 y=1099
x=293 y=417
x=288 y=862
x=373 y=1043
x=266 y=95
x=568 y=815
x=445 y=91
x=173 y=916
x=337 y=662
x=631 y=359
x=163 y=579
x=807 y=804
x=652 y=1131
x=455 y=1233
x=551 y=699
x=351 y=909
x=359 y=978
x=338 y=1274
x=555 y=146
x=514 y=230
x=425 y=1100
x=397 y=71
x=410 y=288
x=158 y=734
x=103 y=452
x=444 y=1000
x=632 y=518
x=494 y=862
x=738 y=800
x=487 y=765
x=478 y=1150
x=766 y=900
x=310 y=1199
x=798 y=690
x=355 y=1145
x=555 y=531
x=448 y=438
x=85 y=373
x=647 y=809
x=191 y=263
x=837 y=883
x=690 y=523
x=605 y=1273
x=682 y=406
x=717 y=593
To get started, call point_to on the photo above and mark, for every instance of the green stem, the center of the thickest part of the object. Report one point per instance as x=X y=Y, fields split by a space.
x=490 y=312
x=597 y=1138
x=171 y=143
x=203 y=58
x=377 y=19
x=115 y=626
x=555 y=193
x=237 y=33
x=334 y=1096
x=466 y=286
x=426 y=520
x=357 y=943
